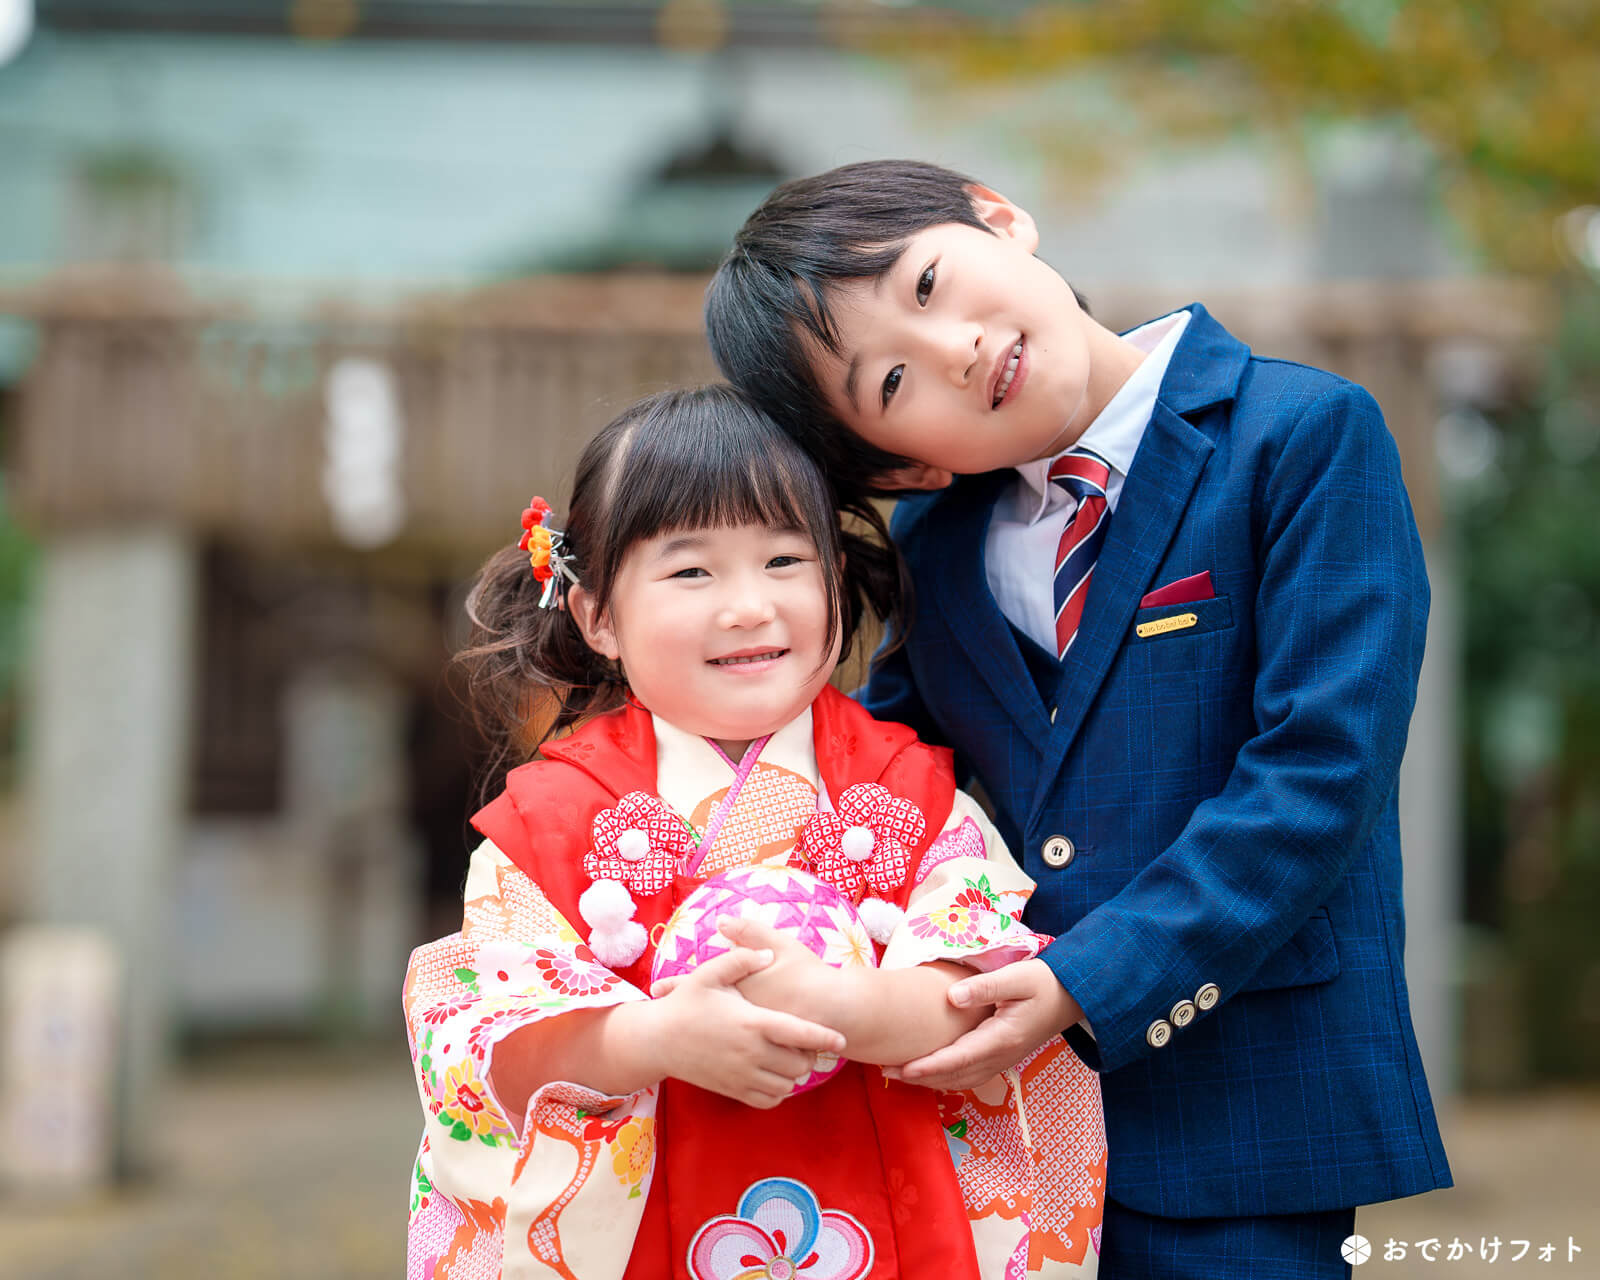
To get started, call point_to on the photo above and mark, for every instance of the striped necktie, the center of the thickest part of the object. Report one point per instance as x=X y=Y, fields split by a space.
x=1085 y=477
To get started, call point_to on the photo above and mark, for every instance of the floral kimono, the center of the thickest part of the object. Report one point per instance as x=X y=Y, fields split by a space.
x=860 y=1177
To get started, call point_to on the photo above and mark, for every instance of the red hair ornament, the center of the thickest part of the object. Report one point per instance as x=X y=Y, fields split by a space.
x=548 y=556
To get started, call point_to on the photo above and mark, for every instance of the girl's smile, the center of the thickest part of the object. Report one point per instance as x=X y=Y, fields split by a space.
x=748 y=660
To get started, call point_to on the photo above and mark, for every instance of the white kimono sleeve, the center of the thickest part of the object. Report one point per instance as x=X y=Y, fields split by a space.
x=491 y=1188
x=967 y=903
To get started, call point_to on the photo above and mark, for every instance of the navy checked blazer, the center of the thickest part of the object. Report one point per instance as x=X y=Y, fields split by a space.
x=1230 y=916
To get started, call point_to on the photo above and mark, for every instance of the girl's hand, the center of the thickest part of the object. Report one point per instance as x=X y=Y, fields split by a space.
x=798 y=981
x=711 y=1036
x=885 y=1015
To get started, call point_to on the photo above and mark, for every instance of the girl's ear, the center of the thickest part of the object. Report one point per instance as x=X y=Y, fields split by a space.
x=1006 y=220
x=598 y=632
x=914 y=475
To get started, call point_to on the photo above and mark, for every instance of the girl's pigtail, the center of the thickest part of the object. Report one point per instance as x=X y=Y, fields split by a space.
x=875 y=574
x=527 y=674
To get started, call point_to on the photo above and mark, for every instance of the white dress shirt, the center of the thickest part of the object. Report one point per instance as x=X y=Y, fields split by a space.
x=1025 y=529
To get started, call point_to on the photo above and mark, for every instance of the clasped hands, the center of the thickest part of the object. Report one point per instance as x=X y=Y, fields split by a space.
x=795 y=1006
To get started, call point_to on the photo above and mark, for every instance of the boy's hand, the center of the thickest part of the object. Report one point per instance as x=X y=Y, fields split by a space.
x=709 y=1035
x=1031 y=1007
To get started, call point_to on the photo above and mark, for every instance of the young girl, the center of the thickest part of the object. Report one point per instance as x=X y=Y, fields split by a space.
x=703 y=592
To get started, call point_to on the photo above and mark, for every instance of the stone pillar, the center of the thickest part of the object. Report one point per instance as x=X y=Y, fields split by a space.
x=345 y=801
x=106 y=775
x=1430 y=835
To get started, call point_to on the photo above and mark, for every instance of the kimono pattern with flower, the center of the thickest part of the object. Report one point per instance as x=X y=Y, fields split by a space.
x=560 y=1190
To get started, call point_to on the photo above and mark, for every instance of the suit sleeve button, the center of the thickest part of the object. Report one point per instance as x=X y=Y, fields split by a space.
x=1158 y=1033
x=1182 y=1014
x=1058 y=852
x=1207 y=997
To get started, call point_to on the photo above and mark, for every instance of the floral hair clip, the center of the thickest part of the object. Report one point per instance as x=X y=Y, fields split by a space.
x=548 y=556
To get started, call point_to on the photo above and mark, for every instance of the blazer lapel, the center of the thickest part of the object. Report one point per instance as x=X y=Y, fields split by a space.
x=968 y=608
x=1154 y=497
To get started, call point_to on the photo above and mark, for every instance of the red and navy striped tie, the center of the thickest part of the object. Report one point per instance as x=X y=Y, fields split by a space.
x=1084 y=476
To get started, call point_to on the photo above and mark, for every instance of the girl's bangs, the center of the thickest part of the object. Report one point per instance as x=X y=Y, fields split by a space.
x=716 y=470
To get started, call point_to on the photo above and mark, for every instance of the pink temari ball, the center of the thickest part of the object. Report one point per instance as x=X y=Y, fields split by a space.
x=794 y=901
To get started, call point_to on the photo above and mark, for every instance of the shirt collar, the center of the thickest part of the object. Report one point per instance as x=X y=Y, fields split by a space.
x=1115 y=433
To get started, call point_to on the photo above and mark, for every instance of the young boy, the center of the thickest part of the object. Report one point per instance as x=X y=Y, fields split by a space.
x=1170 y=612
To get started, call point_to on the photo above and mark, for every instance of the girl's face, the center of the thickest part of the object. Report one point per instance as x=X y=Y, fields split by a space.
x=721 y=632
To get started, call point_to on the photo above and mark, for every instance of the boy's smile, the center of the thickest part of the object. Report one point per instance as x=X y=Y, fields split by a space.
x=969 y=354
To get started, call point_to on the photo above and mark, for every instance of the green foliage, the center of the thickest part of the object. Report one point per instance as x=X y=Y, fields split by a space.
x=1531 y=579
x=18 y=554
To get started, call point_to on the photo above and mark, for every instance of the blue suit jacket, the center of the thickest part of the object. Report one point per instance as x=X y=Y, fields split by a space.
x=1229 y=787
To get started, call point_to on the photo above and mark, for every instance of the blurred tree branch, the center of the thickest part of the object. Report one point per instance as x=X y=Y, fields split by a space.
x=1505 y=93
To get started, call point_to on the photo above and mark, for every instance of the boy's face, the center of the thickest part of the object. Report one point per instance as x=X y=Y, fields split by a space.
x=969 y=355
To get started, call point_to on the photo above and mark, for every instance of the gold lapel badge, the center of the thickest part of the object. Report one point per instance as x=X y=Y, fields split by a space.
x=1160 y=626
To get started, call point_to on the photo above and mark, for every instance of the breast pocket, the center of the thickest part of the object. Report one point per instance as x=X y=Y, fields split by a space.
x=1167 y=623
x=1182 y=661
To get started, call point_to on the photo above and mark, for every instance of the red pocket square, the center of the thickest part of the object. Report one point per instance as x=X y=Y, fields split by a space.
x=1183 y=591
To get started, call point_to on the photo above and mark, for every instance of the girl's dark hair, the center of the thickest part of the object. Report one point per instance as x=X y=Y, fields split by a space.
x=767 y=307
x=685 y=459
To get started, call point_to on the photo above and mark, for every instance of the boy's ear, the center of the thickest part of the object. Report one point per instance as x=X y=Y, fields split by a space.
x=914 y=475
x=598 y=633
x=1005 y=219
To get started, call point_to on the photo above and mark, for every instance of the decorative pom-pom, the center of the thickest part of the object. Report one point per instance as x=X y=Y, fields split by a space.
x=857 y=843
x=633 y=845
x=879 y=917
x=619 y=945
x=606 y=904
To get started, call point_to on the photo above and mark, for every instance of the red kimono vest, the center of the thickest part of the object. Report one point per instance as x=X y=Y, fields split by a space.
x=864 y=1146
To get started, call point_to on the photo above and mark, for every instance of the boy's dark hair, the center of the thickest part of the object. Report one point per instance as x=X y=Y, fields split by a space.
x=685 y=459
x=767 y=307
